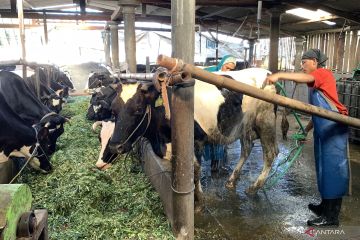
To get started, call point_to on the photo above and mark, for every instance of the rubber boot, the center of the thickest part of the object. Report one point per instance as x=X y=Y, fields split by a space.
x=330 y=215
x=317 y=209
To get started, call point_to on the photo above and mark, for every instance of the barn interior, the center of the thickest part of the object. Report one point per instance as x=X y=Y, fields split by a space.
x=86 y=36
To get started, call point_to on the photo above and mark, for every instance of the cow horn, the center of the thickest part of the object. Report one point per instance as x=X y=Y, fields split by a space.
x=96 y=124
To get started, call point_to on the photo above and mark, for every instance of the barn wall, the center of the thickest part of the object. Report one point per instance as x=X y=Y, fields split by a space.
x=336 y=45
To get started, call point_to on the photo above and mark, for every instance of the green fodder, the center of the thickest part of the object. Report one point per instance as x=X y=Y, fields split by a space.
x=86 y=203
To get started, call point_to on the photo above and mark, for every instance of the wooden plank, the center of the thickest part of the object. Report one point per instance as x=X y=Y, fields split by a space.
x=331 y=49
x=22 y=34
x=336 y=49
x=347 y=52
x=352 y=63
x=357 y=59
x=322 y=42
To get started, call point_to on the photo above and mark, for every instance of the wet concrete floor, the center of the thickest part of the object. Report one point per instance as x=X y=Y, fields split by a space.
x=279 y=212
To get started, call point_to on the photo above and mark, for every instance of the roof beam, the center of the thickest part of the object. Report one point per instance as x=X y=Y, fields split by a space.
x=60 y=16
x=349 y=28
x=221 y=3
x=117 y=14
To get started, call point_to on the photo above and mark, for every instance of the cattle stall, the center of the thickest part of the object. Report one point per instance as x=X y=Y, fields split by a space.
x=349 y=95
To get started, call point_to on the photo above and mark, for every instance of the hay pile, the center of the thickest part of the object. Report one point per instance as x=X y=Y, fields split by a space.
x=85 y=203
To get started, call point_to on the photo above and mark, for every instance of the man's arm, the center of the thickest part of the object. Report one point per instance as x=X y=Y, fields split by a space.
x=296 y=77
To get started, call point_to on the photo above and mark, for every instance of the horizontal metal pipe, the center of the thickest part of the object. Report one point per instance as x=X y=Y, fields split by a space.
x=223 y=82
x=139 y=76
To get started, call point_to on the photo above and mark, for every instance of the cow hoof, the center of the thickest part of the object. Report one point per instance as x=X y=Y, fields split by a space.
x=199 y=208
x=230 y=185
x=251 y=191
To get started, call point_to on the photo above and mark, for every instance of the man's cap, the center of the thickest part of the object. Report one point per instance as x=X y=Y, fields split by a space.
x=315 y=54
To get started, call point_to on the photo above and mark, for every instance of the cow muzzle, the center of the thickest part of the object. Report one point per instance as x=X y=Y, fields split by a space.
x=117 y=148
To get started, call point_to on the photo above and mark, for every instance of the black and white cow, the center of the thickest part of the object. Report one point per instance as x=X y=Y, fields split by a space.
x=224 y=116
x=225 y=120
x=100 y=102
x=136 y=117
x=101 y=79
x=26 y=123
x=105 y=156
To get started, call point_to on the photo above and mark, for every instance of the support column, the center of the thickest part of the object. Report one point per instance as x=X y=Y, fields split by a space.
x=22 y=34
x=128 y=10
x=114 y=45
x=106 y=40
x=251 y=51
x=182 y=122
x=299 y=42
x=274 y=39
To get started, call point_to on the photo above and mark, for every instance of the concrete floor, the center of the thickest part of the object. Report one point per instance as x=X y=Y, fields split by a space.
x=280 y=212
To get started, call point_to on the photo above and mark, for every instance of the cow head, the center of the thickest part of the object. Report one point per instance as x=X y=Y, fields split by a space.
x=40 y=151
x=55 y=125
x=132 y=118
x=105 y=157
x=100 y=103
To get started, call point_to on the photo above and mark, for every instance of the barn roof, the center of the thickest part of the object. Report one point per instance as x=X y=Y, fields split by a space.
x=232 y=17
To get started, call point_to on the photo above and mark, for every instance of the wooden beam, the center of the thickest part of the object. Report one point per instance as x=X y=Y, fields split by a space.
x=233 y=3
x=22 y=34
x=350 y=28
x=117 y=14
x=73 y=16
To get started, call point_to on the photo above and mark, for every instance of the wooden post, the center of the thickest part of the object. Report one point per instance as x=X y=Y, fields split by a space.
x=106 y=40
x=128 y=10
x=340 y=52
x=115 y=45
x=45 y=29
x=251 y=51
x=22 y=34
x=274 y=40
x=182 y=122
x=147 y=64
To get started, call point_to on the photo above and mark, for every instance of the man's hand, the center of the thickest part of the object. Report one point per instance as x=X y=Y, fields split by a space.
x=273 y=78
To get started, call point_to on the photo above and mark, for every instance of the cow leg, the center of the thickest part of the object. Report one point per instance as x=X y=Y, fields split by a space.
x=261 y=179
x=270 y=151
x=246 y=146
x=198 y=193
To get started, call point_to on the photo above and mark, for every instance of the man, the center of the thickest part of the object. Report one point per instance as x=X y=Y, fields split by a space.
x=330 y=138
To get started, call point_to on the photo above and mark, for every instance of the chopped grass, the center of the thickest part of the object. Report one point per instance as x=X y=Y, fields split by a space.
x=86 y=203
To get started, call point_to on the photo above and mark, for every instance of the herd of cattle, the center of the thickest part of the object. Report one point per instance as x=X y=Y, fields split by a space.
x=128 y=111
x=30 y=123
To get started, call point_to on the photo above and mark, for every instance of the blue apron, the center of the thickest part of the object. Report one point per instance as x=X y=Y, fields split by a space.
x=331 y=151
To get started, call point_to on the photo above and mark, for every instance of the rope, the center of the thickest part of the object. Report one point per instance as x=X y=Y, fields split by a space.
x=299 y=138
x=26 y=163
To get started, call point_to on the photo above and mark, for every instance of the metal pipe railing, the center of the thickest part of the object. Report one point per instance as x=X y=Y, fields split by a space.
x=177 y=65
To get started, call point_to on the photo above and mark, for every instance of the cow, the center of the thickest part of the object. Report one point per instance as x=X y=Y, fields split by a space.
x=100 y=79
x=100 y=102
x=105 y=157
x=226 y=118
x=27 y=126
x=137 y=117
